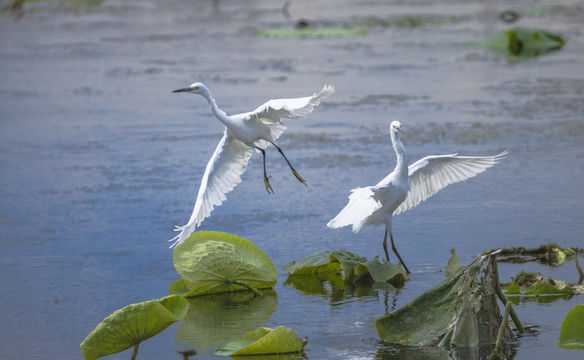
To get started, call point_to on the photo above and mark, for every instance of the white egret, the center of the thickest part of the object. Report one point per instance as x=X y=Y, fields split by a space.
x=405 y=187
x=256 y=129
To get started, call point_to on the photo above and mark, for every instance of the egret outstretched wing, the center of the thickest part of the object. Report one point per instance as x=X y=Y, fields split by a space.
x=222 y=174
x=273 y=111
x=433 y=173
x=361 y=205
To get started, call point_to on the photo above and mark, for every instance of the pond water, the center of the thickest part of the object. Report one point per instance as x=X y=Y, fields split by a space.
x=100 y=160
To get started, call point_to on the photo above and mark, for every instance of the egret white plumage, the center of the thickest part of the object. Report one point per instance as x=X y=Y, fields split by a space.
x=405 y=187
x=256 y=129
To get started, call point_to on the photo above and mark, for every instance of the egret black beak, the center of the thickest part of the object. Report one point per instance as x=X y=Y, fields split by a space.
x=182 y=90
x=401 y=131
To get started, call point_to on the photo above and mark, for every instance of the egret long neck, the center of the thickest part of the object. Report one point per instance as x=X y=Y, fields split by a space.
x=401 y=168
x=220 y=114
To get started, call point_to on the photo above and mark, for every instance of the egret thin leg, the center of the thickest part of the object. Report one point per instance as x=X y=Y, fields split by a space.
x=290 y=165
x=266 y=177
x=385 y=245
x=397 y=254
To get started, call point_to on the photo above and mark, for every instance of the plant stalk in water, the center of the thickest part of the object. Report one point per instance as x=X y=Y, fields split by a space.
x=497 y=350
x=503 y=298
x=135 y=352
x=247 y=286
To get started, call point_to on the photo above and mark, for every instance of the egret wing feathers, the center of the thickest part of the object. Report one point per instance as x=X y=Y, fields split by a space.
x=433 y=173
x=361 y=205
x=222 y=174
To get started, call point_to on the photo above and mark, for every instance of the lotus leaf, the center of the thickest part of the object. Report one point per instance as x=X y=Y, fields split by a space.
x=214 y=262
x=522 y=42
x=310 y=33
x=216 y=319
x=264 y=341
x=460 y=311
x=133 y=324
x=572 y=330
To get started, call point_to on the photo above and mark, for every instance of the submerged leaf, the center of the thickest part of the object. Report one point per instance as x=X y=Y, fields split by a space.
x=572 y=331
x=214 y=262
x=402 y=20
x=310 y=33
x=133 y=324
x=460 y=311
x=522 y=42
x=264 y=341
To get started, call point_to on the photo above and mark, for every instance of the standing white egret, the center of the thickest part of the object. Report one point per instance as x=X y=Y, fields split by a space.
x=405 y=187
x=255 y=129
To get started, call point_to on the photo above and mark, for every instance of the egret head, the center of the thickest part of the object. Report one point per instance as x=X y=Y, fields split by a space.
x=395 y=127
x=195 y=88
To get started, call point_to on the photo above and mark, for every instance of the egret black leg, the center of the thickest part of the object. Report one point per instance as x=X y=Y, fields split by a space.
x=396 y=253
x=385 y=245
x=266 y=177
x=290 y=165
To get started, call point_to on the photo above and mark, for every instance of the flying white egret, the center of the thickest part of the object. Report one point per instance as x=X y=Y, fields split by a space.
x=405 y=187
x=255 y=129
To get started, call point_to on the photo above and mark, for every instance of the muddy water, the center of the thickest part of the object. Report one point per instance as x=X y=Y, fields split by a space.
x=99 y=160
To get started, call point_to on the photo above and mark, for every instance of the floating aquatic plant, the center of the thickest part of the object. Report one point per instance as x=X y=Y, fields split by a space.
x=522 y=42
x=548 y=254
x=534 y=286
x=443 y=316
x=129 y=326
x=353 y=268
x=211 y=262
x=572 y=330
x=402 y=20
x=265 y=341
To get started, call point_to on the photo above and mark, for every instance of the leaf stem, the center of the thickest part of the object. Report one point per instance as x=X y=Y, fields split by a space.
x=135 y=353
x=497 y=350
x=247 y=286
x=503 y=298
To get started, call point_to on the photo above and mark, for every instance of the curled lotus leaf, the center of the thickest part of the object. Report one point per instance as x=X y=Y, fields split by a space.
x=211 y=262
x=133 y=324
x=536 y=286
x=264 y=341
x=460 y=311
x=572 y=330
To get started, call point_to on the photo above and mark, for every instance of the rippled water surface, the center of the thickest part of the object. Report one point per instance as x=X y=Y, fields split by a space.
x=99 y=160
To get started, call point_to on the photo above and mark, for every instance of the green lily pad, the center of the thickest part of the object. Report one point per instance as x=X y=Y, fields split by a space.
x=460 y=311
x=522 y=42
x=264 y=341
x=214 y=320
x=572 y=330
x=211 y=262
x=402 y=21
x=310 y=33
x=379 y=272
x=133 y=324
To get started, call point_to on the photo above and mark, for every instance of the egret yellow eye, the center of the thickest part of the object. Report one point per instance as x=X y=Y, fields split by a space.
x=196 y=88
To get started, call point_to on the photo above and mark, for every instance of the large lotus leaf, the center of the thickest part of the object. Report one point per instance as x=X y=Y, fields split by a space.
x=535 y=286
x=522 y=42
x=460 y=311
x=264 y=341
x=572 y=331
x=214 y=262
x=133 y=324
x=310 y=33
x=216 y=319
